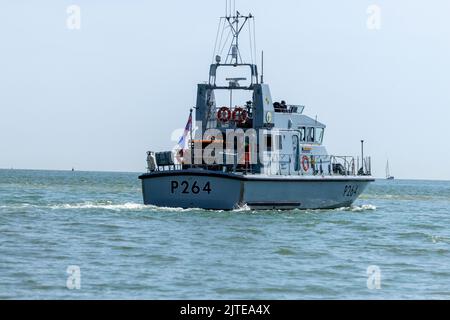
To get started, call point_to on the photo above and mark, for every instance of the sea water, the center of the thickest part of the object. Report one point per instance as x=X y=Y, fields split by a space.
x=86 y=235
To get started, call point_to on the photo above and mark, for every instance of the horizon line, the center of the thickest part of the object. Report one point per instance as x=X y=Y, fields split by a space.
x=140 y=172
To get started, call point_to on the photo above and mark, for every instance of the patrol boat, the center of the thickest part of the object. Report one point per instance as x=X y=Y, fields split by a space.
x=248 y=150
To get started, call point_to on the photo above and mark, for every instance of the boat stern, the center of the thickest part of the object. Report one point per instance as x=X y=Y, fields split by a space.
x=192 y=189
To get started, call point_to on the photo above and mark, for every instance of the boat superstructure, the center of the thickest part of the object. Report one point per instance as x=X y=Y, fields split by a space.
x=247 y=149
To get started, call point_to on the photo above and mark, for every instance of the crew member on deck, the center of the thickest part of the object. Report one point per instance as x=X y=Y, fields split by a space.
x=248 y=106
x=283 y=106
x=277 y=107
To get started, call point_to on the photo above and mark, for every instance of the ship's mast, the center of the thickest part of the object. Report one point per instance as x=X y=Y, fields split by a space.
x=388 y=174
x=230 y=27
x=236 y=23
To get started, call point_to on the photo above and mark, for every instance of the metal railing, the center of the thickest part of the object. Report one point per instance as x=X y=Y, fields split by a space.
x=280 y=164
x=290 y=108
x=317 y=165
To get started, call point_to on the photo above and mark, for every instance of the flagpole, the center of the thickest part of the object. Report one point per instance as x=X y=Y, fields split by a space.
x=192 y=142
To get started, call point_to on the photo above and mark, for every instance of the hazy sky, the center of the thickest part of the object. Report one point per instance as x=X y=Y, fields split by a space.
x=98 y=98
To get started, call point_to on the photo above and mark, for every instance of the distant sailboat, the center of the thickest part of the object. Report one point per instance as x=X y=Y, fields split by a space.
x=388 y=174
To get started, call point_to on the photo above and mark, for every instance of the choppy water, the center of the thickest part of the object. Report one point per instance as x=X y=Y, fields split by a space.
x=52 y=220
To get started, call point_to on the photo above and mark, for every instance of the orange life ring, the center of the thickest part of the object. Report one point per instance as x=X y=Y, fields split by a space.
x=224 y=114
x=240 y=115
x=305 y=163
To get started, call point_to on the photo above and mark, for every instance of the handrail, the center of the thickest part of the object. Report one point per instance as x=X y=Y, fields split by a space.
x=285 y=163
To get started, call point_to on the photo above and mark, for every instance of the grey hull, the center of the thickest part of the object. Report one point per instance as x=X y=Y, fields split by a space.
x=222 y=191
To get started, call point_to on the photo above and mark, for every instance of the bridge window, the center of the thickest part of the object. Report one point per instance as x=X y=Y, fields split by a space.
x=311 y=135
x=319 y=135
x=302 y=131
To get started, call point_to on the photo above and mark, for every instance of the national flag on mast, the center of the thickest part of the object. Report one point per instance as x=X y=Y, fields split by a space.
x=187 y=130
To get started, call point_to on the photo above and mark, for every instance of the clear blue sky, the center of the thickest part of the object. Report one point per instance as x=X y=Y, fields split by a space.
x=100 y=97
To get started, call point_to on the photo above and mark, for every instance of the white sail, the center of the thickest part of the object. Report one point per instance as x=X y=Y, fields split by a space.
x=388 y=174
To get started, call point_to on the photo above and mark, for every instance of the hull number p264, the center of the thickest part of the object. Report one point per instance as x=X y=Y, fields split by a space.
x=187 y=188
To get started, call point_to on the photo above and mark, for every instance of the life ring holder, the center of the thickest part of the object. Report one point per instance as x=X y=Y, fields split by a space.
x=239 y=115
x=224 y=114
x=305 y=163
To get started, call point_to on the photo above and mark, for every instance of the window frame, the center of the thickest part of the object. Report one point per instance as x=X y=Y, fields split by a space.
x=311 y=138
x=317 y=136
